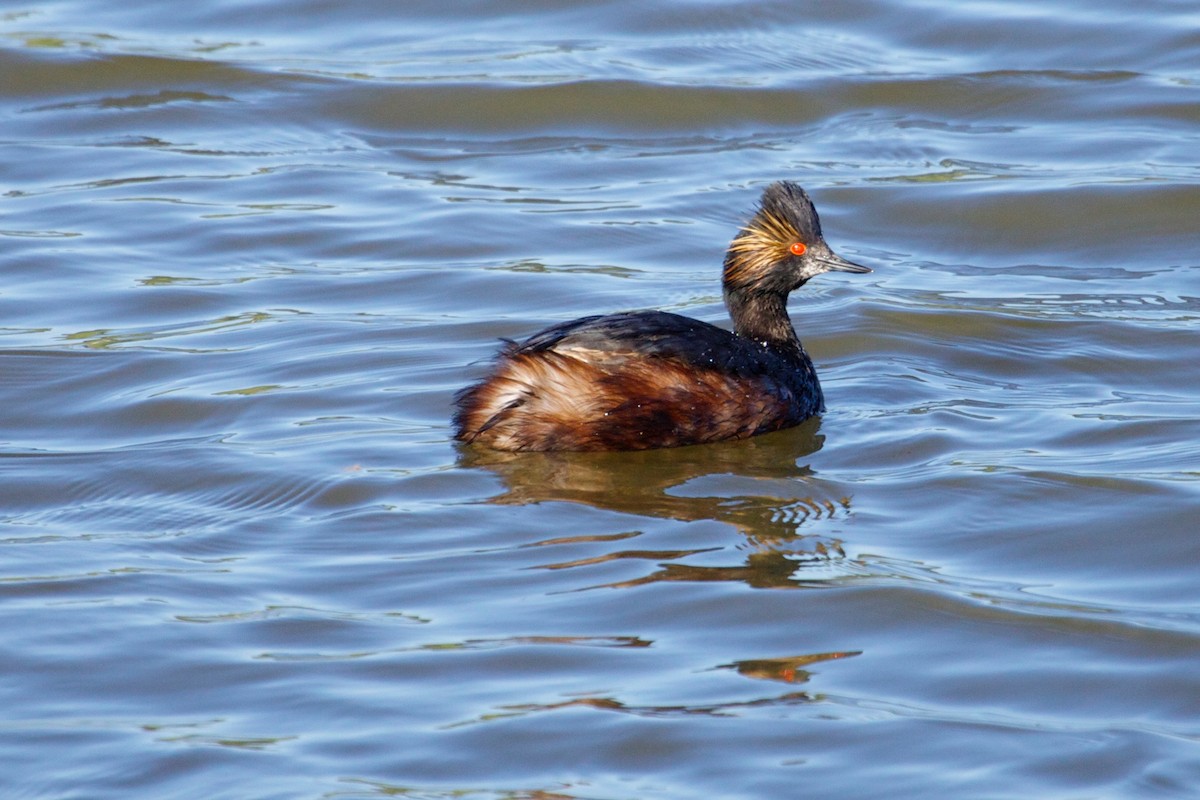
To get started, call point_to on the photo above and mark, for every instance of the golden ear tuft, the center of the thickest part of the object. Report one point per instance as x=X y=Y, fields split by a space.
x=762 y=244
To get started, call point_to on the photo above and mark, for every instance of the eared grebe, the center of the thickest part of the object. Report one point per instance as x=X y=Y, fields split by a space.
x=643 y=379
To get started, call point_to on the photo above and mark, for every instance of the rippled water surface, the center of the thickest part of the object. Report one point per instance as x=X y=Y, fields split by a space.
x=248 y=251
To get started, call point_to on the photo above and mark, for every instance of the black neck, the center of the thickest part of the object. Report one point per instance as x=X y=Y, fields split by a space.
x=762 y=316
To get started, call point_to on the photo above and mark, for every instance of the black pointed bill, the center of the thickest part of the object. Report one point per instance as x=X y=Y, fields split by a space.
x=835 y=263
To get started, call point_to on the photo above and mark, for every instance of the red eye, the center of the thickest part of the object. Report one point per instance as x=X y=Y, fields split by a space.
x=798 y=248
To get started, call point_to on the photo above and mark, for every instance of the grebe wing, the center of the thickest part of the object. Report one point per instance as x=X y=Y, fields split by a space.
x=640 y=334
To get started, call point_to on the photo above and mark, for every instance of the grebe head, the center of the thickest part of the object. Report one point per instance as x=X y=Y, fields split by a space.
x=781 y=247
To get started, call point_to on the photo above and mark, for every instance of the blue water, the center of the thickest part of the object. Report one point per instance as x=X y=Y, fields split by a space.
x=248 y=252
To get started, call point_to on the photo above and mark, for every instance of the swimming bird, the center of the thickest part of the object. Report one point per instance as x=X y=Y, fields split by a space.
x=638 y=380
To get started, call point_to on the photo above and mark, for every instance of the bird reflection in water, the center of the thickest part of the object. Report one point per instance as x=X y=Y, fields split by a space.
x=755 y=485
x=789 y=669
